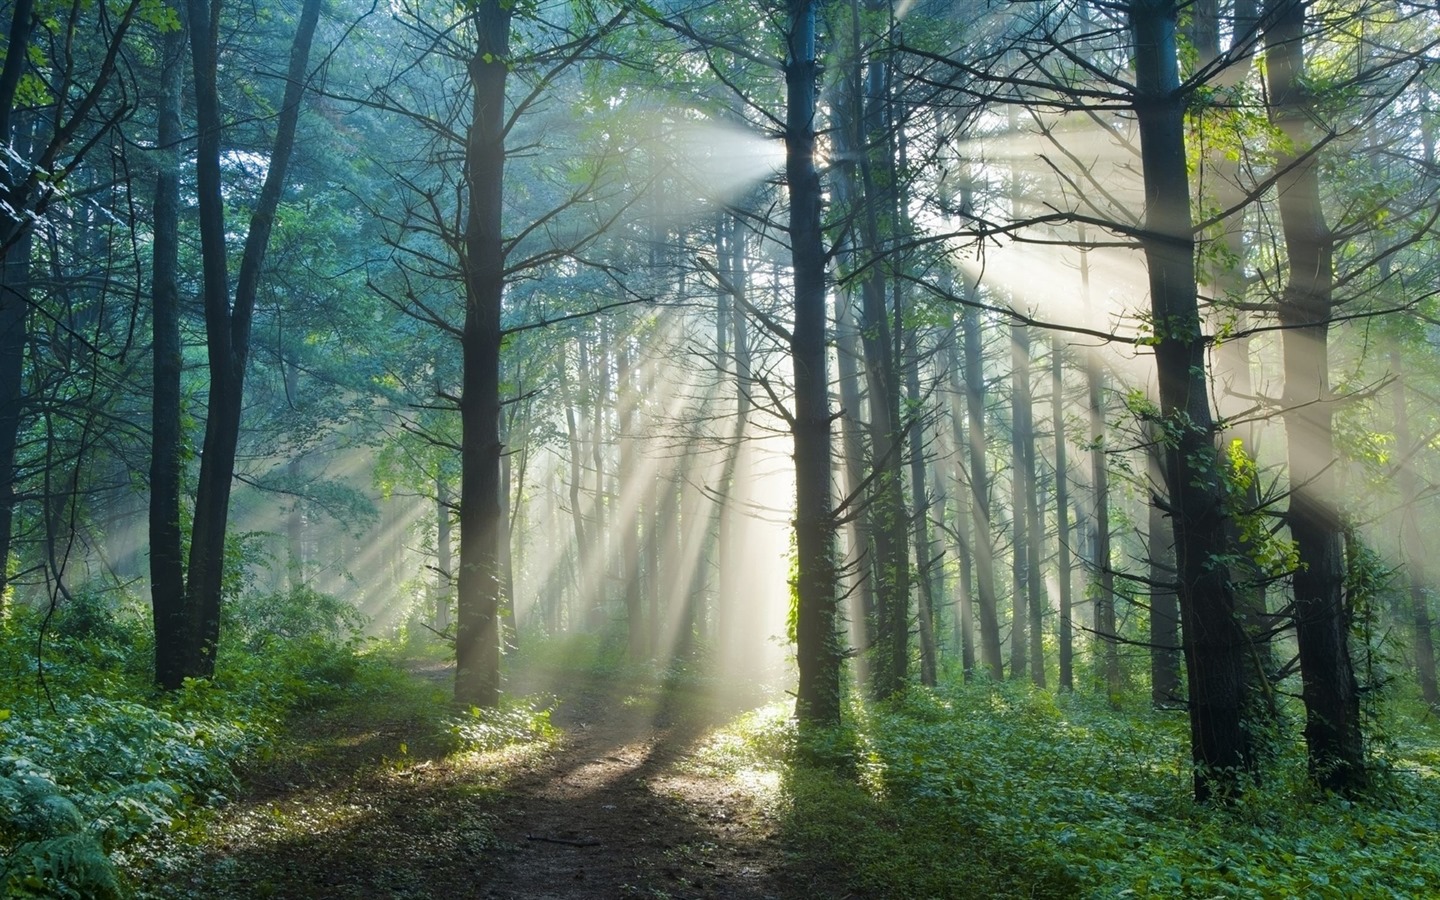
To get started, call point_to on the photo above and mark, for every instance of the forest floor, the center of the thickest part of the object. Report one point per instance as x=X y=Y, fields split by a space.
x=361 y=800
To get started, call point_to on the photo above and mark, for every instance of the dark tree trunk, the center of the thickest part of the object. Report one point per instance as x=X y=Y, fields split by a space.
x=227 y=330
x=1215 y=644
x=15 y=243
x=482 y=264
x=817 y=699
x=1333 y=736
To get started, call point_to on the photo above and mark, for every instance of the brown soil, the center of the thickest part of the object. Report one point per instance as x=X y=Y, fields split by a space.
x=375 y=809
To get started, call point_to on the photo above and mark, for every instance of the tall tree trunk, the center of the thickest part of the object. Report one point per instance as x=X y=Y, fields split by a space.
x=965 y=538
x=1215 y=644
x=983 y=548
x=817 y=699
x=1336 y=751
x=1020 y=488
x=167 y=560
x=227 y=329
x=1065 y=558
x=1107 y=648
x=733 y=612
x=444 y=562
x=477 y=638
x=861 y=559
x=15 y=245
x=1164 y=609
x=925 y=552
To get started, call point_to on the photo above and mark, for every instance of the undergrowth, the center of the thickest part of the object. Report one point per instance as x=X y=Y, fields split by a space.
x=1003 y=791
x=94 y=760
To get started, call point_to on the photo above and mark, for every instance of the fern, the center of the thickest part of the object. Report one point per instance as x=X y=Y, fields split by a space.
x=67 y=866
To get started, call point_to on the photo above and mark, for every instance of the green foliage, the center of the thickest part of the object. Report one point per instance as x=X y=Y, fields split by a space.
x=518 y=721
x=102 y=762
x=983 y=790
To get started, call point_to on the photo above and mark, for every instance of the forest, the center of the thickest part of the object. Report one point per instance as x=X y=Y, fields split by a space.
x=719 y=448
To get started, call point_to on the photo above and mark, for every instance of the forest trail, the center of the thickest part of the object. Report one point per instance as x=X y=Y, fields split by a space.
x=370 y=807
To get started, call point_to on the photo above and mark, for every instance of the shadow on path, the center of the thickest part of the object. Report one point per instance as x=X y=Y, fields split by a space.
x=369 y=806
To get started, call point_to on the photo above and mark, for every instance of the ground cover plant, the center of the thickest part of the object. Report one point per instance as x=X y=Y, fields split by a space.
x=95 y=761
x=1005 y=790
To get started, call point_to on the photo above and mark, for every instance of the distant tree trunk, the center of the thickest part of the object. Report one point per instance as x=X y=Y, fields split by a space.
x=1215 y=644
x=735 y=484
x=509 y=622
x=1106 y=645
x=1333 y=736
x=1020 y=488
x=861 y=554
x=227 y=329
x=1412 y=543
x=444 y=563
x=983 y=549
x=861 y=546
x=1064 y=559
x=965 y=538
x=482 y=265
x=925 y=552
x=817 y=699
x=1164 y=610
x=630 y=521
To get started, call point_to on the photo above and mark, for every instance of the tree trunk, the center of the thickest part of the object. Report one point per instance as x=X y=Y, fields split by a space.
x=965 y=538
x=1336 y=750
x=1164 y=610
x=983 y=549
x=817 y=699
x=925 y=552
x=477 y=638
x=1215 y=644
x=1064 y=560
x=227 y=329
x=15 y=245
x=444 y=564
x=1020 y=488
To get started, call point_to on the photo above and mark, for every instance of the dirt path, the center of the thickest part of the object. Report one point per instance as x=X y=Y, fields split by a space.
x=615 y=813
x=371 y=808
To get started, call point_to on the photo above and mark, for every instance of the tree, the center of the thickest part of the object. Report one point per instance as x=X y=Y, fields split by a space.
x=227 y=329
x=1330 y=691
x=817 y=700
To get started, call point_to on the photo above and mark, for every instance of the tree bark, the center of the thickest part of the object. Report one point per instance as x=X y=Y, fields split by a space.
x=482 y=264
x=817 y=699
x=227 y=329
x=1333 y=738
x=1215 y=644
